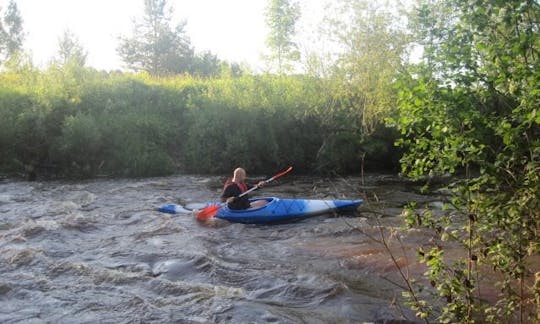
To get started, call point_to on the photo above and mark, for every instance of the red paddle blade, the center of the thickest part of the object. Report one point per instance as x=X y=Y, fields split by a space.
x=282 y=173
x=207 y=212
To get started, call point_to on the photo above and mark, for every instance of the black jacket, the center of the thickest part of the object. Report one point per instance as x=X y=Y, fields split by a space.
x=232 y=190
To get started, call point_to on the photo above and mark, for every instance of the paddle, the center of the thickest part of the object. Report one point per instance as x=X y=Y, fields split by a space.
x=211 y=211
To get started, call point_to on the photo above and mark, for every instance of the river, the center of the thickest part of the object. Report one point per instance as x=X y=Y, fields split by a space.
x=97 y=251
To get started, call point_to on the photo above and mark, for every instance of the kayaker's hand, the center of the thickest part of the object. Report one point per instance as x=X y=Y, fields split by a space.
x=230 y=200
x=261 y=184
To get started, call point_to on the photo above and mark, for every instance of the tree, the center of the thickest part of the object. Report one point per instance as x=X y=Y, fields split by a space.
x=281 y=18
x=155 y=46
x=369 y=49
x=206 y=65
x=11 y=32
x=471 y=108
x=231 y=70
x=70 y=50
x=371 y=46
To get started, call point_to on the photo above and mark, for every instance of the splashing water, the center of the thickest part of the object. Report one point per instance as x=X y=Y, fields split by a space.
x=98 y=251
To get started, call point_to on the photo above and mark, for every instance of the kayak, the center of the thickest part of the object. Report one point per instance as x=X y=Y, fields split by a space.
x=276 y=210
x=282 y=210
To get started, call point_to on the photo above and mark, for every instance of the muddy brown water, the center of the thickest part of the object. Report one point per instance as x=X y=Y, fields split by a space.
x=97 y=251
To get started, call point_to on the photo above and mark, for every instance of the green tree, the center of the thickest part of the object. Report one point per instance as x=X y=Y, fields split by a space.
x=281 y=18
x=70 y=50
x=11 y=32
x=206 y=65
x=372 y=45
x=230 y=70
x=156 y=46
x=471 y=108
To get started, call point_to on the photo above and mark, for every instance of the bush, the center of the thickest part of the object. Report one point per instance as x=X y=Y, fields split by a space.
x=80 y=123
x=79 y=150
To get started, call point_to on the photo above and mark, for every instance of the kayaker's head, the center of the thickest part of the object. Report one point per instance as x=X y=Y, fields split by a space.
x=239 y=175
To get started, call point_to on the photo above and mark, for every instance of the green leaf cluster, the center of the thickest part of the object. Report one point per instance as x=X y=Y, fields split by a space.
x=470 y=108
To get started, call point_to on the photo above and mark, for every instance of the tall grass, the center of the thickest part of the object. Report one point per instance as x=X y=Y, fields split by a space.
x=75 y=122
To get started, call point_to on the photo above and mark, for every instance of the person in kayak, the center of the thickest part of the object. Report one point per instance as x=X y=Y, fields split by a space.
x=235 y=187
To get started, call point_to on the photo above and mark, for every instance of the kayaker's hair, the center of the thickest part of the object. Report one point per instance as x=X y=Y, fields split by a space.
x=238 y=172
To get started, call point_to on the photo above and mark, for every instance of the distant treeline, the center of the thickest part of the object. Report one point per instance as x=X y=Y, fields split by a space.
x=76 y=122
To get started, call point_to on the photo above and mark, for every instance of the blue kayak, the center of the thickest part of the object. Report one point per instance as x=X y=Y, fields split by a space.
x=276 y=210
x=282 y=210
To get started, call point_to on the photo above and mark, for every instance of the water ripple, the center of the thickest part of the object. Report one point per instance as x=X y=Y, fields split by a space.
x=97 y=251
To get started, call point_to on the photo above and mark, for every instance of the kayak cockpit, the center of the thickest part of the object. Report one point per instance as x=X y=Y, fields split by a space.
x=269 y=201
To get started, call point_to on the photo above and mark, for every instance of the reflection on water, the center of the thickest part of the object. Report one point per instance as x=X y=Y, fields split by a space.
x=98 y=251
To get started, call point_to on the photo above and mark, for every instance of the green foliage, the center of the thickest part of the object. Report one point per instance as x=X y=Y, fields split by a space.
x=31 y=138
x=220 y=138
x=79 y=150
x=140 y=121
x=76 y=122
x=281 y=18
x=133 y=151
x=337 y=150
x=12 y=104
x=70 y=50
x=155 y=46
x=11 y=32
x=161 y=49
x=252 y=121
x=205 y=65
x=187 y=112
x=471 y=106
x=372 y=43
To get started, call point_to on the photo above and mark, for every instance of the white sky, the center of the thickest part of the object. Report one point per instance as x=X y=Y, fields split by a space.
x=235 y=30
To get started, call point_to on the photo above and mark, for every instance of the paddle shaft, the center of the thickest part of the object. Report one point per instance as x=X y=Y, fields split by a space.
x=265 y=181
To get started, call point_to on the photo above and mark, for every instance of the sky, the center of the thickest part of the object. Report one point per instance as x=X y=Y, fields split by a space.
x=234 y=30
